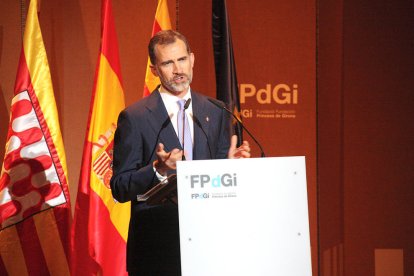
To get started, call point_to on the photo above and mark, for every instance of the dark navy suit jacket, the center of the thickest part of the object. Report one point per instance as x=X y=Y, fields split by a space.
x=153 y=238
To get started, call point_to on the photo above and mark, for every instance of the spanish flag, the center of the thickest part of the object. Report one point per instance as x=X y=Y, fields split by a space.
x=161 y=22
x=100 y=225
x=35 y=213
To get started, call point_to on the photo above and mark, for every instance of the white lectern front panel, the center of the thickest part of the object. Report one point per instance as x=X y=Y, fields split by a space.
x=244 y=217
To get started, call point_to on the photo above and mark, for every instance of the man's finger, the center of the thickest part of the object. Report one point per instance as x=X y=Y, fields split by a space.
x=160 y=147
x=233 y=142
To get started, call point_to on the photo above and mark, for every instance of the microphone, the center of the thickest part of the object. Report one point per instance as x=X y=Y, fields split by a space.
x=223 y=106
x=186 y=105
x=164 y=125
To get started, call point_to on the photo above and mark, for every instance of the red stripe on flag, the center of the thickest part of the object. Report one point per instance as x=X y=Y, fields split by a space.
x=146 y=91
x=105 y=167
x=109 y=41
x=85 y=173
x=101 y=244
x=156 y=27
x=101 y=164
x=107 y=240
x=82 y=262
x=100 y=160
x=96 y=242
x=36 y=263
x=23 y=81
x=98 y=166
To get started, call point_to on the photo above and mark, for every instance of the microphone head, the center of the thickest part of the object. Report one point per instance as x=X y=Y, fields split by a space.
x=187 y=103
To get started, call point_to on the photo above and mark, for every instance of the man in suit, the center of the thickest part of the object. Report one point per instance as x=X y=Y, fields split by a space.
x=153 y=125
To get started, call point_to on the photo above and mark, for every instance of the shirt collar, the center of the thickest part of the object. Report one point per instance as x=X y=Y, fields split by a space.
x=165 y=94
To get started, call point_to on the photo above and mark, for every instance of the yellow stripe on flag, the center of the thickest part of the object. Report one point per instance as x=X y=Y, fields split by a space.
x=38 y=66
x=162 y=19
x=19 y=248
x=50 y=241
x=120 y=215
x=151 y=81
x=99 y=237
x=108 y=107
x=162 y=15
x=11 y=252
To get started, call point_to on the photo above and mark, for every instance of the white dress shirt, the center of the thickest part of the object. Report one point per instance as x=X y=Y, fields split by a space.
x=170 y=102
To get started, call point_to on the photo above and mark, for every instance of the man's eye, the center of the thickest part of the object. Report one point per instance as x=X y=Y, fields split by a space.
x=166 y=63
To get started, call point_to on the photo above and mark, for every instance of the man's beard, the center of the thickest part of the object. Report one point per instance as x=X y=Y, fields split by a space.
x=171 y=86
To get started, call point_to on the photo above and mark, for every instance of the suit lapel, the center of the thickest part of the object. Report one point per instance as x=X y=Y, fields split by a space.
x=201 y=126
x=157 y=117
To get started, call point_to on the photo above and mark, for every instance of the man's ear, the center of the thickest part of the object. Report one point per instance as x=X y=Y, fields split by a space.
x=154 y=70
x=192 y=59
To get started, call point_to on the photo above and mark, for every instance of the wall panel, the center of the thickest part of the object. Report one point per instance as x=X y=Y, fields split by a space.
x=274 y=46
x=275 y=51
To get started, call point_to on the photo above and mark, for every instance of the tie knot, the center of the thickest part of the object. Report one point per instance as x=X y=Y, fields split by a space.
x=181 y=103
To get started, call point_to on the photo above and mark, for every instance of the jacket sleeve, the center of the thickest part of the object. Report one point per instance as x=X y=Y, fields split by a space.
x=131 y=175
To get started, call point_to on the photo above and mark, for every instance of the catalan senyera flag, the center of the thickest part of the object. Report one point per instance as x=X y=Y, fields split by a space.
x=100 y=226
x=35 y=213
x=161 y=22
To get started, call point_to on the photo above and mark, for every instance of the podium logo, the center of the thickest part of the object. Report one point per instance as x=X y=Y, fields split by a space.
x=280 y=93
x=202 y=180
x=200 y=196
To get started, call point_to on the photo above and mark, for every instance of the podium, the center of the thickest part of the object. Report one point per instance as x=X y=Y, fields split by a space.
x=162 y=192
x=244 y=217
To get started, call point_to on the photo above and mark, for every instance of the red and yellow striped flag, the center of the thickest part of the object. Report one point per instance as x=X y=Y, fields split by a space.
x=34 y=199
x=161 y=22
x=100 y=225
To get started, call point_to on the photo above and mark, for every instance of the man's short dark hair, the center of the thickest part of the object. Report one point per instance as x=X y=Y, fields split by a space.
x=164 y=38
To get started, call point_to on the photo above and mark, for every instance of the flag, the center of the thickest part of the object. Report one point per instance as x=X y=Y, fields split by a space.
x=226 y=77
x=161 y=22
x=35 y=212
x=100 y=226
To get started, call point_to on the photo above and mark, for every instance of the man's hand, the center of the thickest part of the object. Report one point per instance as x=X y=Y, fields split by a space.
x=241 y=152
x=166 y=160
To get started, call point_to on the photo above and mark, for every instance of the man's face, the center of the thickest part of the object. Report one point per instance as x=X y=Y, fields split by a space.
x=174 y=67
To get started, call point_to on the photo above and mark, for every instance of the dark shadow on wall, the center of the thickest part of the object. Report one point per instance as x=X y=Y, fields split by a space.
x=4 y=113
x=67 y=33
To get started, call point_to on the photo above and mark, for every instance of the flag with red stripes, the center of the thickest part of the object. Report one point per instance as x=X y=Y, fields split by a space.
x=34 y=199
x=100 y=227
x=161 y=22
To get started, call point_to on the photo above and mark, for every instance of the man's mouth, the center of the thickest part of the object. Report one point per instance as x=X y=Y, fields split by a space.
x=179 y=78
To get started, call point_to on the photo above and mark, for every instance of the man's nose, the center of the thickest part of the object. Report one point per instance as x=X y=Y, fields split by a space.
x=177 y=67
